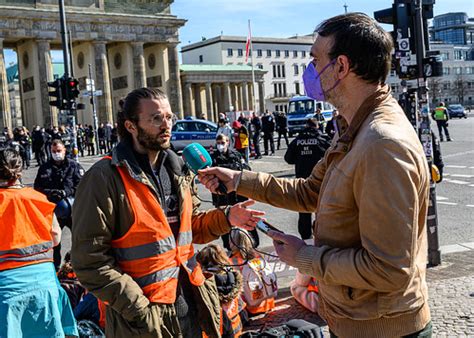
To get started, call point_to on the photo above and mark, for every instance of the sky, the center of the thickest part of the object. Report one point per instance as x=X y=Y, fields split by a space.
x=269 y=18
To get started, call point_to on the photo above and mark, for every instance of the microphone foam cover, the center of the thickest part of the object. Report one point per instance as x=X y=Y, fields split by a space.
x=196 y=157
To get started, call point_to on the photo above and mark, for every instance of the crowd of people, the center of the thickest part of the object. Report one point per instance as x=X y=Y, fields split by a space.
x=135 y=215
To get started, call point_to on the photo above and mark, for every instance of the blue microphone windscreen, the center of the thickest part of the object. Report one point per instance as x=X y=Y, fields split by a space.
x=196 y=157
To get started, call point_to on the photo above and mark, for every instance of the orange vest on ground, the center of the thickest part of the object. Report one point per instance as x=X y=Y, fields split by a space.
x=232 y=310
x=264 y=306
x=26 y=217
x=149 y=252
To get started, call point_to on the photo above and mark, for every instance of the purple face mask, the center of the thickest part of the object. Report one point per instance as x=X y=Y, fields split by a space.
x=312 y=81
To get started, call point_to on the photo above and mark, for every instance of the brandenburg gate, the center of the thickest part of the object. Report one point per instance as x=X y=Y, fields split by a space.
x=129 y=43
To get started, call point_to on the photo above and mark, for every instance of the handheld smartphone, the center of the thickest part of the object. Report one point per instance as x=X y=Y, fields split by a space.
x=265 y=227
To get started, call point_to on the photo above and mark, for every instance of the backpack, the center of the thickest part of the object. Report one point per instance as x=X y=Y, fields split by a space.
x=260 y=282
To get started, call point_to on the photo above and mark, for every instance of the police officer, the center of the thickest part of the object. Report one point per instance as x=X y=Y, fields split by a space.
x=304 y=152
x=281 y=128
x=58 y=179
x=441 y=116
x=268 y=128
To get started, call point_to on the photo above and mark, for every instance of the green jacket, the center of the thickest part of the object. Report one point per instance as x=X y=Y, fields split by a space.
x=102 y=213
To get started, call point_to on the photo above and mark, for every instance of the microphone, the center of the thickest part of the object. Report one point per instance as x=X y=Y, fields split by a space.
x=196 y=158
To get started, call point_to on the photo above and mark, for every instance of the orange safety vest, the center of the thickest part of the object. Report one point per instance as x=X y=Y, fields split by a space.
x=26 y=217
x=149 y=252
x=232 y=310
x=264 y=306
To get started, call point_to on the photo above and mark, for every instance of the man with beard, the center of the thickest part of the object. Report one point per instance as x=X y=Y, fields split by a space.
x=136 y=218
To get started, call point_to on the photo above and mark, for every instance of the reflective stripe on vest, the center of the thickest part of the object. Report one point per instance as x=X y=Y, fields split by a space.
x=149 y=252
x=232 y=310
x=26 y=217
x=440 y=113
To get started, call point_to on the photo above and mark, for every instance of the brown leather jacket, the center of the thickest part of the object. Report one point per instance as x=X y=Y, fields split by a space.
x=102 y=213
x=370 y=193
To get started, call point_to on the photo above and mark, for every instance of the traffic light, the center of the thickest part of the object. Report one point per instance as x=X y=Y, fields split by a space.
x=56 y=93
x=71 y=92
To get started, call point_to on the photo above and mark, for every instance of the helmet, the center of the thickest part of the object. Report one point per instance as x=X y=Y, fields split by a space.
x=64 y=208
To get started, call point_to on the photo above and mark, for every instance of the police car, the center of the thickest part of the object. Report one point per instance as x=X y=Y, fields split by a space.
x=189 y=130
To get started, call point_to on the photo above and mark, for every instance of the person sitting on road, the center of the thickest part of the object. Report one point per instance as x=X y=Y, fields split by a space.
x=215 y=262
x=305 y=290
x=252 y=265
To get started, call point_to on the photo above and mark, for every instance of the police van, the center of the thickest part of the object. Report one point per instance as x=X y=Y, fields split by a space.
x=191 y=130
x=301 y=108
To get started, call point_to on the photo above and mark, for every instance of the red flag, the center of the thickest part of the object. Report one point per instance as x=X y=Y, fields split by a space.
x=247 y=45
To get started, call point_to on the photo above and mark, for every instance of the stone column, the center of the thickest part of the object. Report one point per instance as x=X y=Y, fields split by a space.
x=5 y=112
x=174 y=89
x=209 y=102
x=227 y=97
x=261 y=97
x=188 y=95
x=45 y=69
x=102 y=82
x=235 y=96
x=139 y=72
x=197 y=100
x=245 y=96
x=251 y=97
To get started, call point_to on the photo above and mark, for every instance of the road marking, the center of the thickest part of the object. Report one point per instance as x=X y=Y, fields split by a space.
x=447 y=203
x=456 y=166
x=456 y=181
x=441 y=198
x=470 y=205
x=471 y=167
x=461 y=175
x=471 y=185
x=459 y=154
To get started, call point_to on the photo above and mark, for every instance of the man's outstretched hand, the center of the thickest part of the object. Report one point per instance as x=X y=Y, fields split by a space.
x=244 y=218
x=210 y=178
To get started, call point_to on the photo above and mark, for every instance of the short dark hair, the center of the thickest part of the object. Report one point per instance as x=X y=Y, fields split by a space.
x=222 y=137
x=130 y=107
x=365 y=43
x=56 y=142
x=312 y=122
x=10 y=164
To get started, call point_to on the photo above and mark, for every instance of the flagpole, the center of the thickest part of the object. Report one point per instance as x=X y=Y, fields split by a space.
x=253 y=72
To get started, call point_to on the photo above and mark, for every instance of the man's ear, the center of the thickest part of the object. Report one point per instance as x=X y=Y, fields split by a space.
x=130 y=126
x=343 y=65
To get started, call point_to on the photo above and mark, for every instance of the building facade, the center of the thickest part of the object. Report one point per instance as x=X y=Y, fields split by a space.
x=282 y=60
x=453 y=28
x=128 y=43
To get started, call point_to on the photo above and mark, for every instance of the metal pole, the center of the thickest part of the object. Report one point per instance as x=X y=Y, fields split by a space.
x=94 y=113
x=67 y=62
x=253 y=71
x=71 y=55
x=434 y=254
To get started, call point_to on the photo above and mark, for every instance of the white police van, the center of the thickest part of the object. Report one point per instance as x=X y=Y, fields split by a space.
x=301 y=108
x=192 y=130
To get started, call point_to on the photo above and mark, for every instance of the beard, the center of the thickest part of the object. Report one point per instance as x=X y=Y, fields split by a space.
x=153 y=142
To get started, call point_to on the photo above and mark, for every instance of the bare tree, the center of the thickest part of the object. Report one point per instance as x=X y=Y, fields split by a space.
x=434 y=85
x=459 y=88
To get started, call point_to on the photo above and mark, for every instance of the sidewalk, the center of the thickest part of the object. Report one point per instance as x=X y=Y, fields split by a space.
x=451 y=292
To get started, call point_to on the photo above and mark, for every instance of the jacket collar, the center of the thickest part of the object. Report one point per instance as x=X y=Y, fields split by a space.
x=366 y=108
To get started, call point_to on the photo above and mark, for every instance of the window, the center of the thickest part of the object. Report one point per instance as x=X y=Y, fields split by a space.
x=283 y=71
x=277 y=53
x=240 y=52
x=200 y=126
x=287 y=53
x=259 y=53
x=446 y=71
x=274 y=71
x=201 y=59
x=269 y=53
x=259 y=66
x=230 y=52
x=295 y=53
x=469 y=70
x=458 y=70
x=303 y=54
x=279 y=71
x=284 y=89
x=280 y=89
x=296 y=69
x=297 y=88
x=446 y=85
x=275 y=89
x=303 y=67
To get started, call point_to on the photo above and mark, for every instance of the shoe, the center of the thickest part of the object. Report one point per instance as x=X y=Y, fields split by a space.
x=449 y=140
x=441 y=140
x=265 y=154
x=272 y=154
x=258 y=157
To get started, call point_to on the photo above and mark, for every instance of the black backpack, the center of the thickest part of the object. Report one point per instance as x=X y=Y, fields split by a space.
x=295 y=328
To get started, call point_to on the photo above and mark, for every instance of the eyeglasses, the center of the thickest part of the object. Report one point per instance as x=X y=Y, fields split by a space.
x=158 y=119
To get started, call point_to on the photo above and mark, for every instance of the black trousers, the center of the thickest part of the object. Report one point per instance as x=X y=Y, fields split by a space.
x=268 y=138
x=442 y=126
x=256 y=144
x=285 y=136
x=305 y=225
